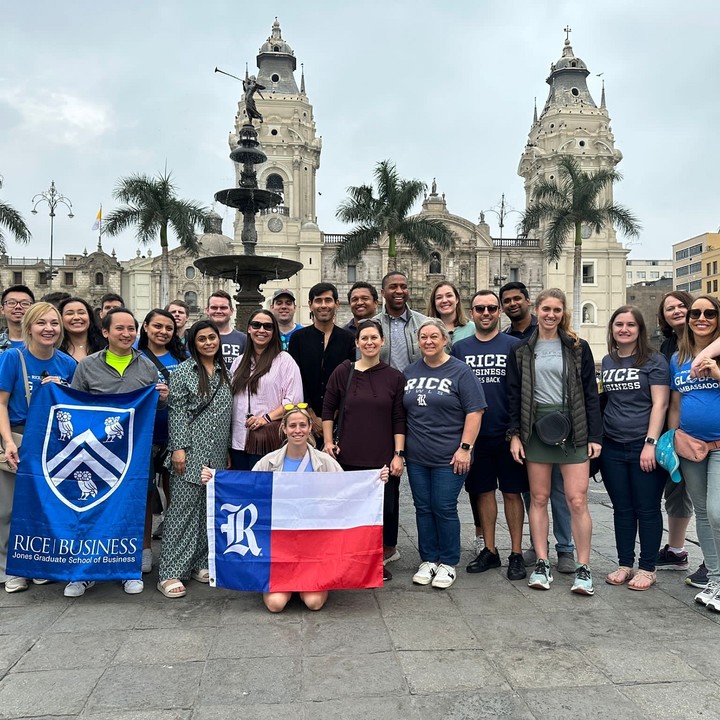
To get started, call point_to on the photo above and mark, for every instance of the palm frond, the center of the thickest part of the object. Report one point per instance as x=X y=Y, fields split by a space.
x=356 y=243
x=13 y=222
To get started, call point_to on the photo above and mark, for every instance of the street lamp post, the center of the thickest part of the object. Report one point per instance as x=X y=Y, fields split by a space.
x=53 y=198
x=502 y=212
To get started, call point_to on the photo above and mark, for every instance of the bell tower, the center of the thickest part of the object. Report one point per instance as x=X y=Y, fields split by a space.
x=289 y=139
x=572 y=124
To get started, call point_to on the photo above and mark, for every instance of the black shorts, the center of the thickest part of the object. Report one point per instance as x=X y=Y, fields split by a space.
x=493 y=466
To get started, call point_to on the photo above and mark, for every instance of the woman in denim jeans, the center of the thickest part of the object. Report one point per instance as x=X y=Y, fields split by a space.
x=444 y=402
x=694 y=406
x=635 y=382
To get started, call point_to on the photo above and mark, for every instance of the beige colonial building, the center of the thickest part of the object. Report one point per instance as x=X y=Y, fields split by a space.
x=696 y=264
x=570 y=122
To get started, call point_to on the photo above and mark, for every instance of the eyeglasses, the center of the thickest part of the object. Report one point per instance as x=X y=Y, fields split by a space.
x=480 y=309
x=25 y=304
x=256 y=325
x=709 y=314
x=296 y=406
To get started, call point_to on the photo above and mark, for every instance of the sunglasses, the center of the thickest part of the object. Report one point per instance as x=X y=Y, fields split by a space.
x=480 y=309
x=296 y=406
x=256 y=325
x=696 y=314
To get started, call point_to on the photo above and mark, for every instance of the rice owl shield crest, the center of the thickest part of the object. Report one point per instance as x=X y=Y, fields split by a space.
x=87 y=452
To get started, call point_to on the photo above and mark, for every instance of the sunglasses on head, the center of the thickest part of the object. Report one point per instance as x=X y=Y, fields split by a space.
x=482 y=308
x=708 y=314
x=295 y=406
x=256 y=325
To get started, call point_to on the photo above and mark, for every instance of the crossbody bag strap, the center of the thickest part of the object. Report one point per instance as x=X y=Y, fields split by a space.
x=156 y=362
x=201 y=410
x=25 y=377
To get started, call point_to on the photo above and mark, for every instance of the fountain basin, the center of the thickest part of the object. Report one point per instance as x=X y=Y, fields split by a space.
x=248 y=199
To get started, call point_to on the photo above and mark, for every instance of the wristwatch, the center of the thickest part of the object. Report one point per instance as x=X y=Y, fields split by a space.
x=651 y=441
x=465 y=446
x=400 y=453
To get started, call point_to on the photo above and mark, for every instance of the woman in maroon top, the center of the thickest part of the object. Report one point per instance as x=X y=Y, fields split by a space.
x=371 y=419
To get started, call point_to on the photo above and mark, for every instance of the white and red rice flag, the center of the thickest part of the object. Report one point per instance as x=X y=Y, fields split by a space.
x=296 y=531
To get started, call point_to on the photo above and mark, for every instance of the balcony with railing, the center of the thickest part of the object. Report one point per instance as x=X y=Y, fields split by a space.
x=516 y=242
x=279 y=210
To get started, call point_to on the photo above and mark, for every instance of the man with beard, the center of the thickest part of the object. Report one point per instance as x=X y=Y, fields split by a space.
x=486 y=353
x=516 y=305
x=399 y=323
x=319 y=348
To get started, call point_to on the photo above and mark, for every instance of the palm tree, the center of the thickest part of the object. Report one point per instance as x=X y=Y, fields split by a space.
x=12 y=221
x=388 y=214
x=151 y=204
x=576 y=198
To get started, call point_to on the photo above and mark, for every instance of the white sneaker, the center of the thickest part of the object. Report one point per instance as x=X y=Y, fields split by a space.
x=76 y=589
x=714 y=602
x=707 y=593
x=15 y=584
x=133 y=587
x=444 y=577
x=147 y=560
x=425 y=573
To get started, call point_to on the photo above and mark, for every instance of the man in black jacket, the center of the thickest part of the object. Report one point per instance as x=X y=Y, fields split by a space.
x=319 y=348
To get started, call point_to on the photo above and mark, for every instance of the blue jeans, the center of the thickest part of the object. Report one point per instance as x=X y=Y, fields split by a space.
x=562 y=529
x=636 y=498
x=703 y=484
x=435 y=493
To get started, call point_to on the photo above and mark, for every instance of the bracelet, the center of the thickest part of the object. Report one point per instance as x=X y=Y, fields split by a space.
x=267 y=417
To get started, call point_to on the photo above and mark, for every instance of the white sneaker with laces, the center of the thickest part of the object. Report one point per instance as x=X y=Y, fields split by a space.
x=425 y=573
x=714 y=602
x=707 y=593
x=444 y=577
x=133 y=587
x=76 y=589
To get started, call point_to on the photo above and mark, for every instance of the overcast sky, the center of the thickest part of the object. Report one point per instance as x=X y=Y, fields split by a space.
x=92 y=91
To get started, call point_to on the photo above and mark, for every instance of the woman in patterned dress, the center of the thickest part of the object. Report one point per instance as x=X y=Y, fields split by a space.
x=200 y=407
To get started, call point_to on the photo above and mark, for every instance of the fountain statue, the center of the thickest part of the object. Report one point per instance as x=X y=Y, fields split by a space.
x=248 y=270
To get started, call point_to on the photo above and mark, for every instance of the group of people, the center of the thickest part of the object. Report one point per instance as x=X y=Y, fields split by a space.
x=447 y=397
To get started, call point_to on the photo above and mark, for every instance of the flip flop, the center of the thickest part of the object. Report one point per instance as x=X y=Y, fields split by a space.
x=619 y=576
x=646 y=575
x=167 y=586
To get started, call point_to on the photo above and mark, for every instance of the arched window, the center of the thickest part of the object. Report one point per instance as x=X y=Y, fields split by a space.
x=99 y=279
x=275 y=184
x=191 y=300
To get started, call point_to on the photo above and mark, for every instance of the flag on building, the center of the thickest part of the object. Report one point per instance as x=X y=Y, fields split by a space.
x=98 y=220
x=81 y=487
x=297 y=531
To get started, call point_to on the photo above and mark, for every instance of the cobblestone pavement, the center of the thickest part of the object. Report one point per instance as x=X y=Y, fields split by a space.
x=487 y=647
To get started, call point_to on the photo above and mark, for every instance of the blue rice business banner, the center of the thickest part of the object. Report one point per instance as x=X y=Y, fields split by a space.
x=81 y=487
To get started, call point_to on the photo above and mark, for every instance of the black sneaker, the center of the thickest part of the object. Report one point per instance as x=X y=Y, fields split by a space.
x=516 y=567
x=387 y=575
x=668 y=560
x=699 y=578
x=486 y=560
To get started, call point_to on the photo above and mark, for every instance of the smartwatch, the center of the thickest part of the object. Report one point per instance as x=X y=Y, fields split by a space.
x=465 y=446
x=400 y=453
x=651 y=441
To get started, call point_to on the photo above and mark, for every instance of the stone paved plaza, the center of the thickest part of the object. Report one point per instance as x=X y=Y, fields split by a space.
x=484 y=648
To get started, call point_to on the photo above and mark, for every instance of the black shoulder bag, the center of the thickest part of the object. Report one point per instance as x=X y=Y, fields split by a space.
x=554 y=428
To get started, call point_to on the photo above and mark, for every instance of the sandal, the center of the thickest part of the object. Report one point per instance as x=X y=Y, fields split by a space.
x=643 y=580
x=202 y=576
x=619 y=576
x=167 y=588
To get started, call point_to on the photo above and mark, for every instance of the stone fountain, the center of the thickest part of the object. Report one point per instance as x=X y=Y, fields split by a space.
x=249 y=270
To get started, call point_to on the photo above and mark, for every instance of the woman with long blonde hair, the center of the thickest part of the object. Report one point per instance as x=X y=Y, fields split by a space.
x=555 y=420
